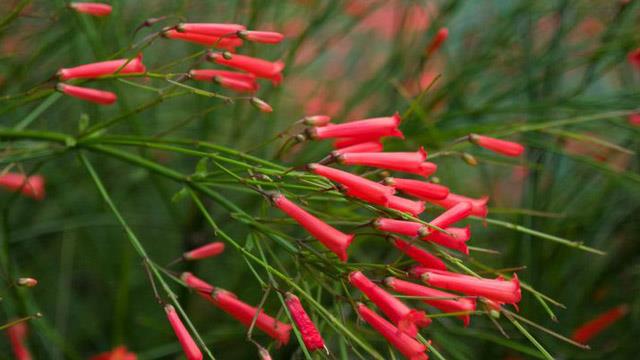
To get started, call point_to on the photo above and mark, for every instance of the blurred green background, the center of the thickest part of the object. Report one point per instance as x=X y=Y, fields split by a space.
x=552 y=75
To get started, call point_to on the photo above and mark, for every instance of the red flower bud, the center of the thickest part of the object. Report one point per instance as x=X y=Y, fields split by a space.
x=205 y=251
x=367 y=147
x=592 y=328
x=456 y=241
x=92 y=95
x=259 y=67
x=498 y=289
x=478 y=206
x=94 y=70
x=452 y=215
x=191 y=350
x=353 y=182
x=32 y=186
x=210 y=29
x=406 y=319
x=437 y=41
x=420 y=255
x=316 y=120
x=245 y=313
x=508 y=148
x=212 y=74
x=447 y=305
x=266 y=37
x=414 y=208
x=91 y=8
x=420 y=189
x=365 y=129
x=27 y=282
x=196 y=283
x=405 y=344
x=228 y=43
x=332 y=238
x=308 y=331
x=17 y=338
x=348 y=141
x=261 y=105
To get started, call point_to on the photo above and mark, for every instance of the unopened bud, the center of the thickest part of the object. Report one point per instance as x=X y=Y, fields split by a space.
x=469 y=159
x=261 y=105
x=27 y=282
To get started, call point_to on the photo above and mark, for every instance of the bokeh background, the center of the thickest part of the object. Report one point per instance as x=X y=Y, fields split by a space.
x=553 y=75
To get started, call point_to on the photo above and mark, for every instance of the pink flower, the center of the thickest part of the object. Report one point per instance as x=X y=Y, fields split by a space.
x=592 y=328
x=405 y=344
x=205 y=251
x=261 y=105
x=403 y=227
x=456 y=241
x=634 y=58
x=437 y=41
x=361 y=129
x=478 y=206
x=17 y=338
x=414 y=208
x=498 y=289
x=237 y=81
x=412 y=162
x=450 y=305
x=420 y=189
x=353 y=182
x=245 y=313
x=32 y=186
x=227 y=43
x=94 y=70
x=91 y=8
x=259 y=67
x=332 y=238
x=508 y=148
x=266 y=37
x=308 y=331
x=197 y=284
x=420 y=255
x=452 y=215
x=92 y=95
x=408 y=320
x=367 y=147
x=211 y=29
x=344 y=142
x=191 y=350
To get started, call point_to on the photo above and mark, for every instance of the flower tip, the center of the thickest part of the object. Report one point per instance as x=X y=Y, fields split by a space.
x=261 y=105
x=423 y=152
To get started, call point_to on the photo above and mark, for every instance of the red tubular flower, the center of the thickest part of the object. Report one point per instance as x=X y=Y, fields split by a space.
x=420 y=255
x=197 y=284
x=403 y=227
x=452 y=215
x=448 y=303
x=405 y=344
x=205 y=251
x=365 y=147
x=420 y=189
x=92 y=95
x=354 y=183
x=414 y=208
x=503 y=147
x=228 y=43
x=408 y=320
x=265 y=37
x=361 y=129
x=212 y=74
x=238 y=85
x=94 y=70
x=634 y=58
x=245 y=313
x=210 y=29
x=456 y=241
x=259 y=67
x=498 y=289
x=118 y=353
x=437 y=41
x=332 y=238
x=344 y=142
x=478 y=206
x=32 y=186
x=316 y=120
x=411 y=162
x=310 y=334
x=191 y=350
x=17 y=335
x=91 y=8
x=592 y=328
